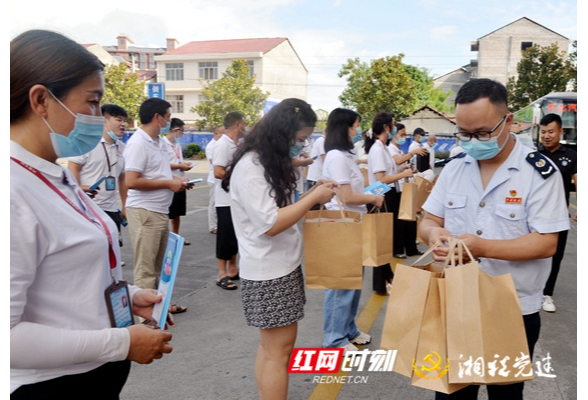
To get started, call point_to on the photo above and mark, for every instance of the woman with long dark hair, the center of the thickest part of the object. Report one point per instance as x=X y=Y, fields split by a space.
x=261 y=181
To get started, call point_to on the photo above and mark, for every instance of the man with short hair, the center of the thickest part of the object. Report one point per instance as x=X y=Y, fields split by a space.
x=430 y=147
x=504 y=201
x=151 y=187
x=209 y=151
x=566 y=160
x=417 y=135
x=106 y=160
x=226 y=240
x=179 y=168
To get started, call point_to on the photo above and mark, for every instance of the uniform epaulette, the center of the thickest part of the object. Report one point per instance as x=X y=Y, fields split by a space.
x=541 y=164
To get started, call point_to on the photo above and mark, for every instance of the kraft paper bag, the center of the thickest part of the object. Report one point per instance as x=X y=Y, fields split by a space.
x=484 y=322
x=408 y=202
x=424 y=188
x=377 y=239
x=431 y=366
x=405 y=310
x=333 y=249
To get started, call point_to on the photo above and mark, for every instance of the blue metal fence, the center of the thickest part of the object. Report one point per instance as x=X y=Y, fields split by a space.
x=444 y=142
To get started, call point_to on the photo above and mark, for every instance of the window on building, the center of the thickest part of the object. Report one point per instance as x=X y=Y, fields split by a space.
x=142 y=61
x=151 y=61
x=251 y=65
x=174 y=71
x=177 y=103
x=526 y=45
x=208 y=70
x=203 y=99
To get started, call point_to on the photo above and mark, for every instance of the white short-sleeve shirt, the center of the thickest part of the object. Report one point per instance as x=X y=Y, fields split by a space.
x=223 y=155
x=315 y=170
x=209 y=150
x=149 y=157
x=517 y=201
x=341 y=167
x=174 y=155
x=105 y=160
x=380 y=160
x=254 y=211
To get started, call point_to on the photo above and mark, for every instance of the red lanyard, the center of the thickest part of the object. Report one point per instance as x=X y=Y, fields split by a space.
x=112 y=256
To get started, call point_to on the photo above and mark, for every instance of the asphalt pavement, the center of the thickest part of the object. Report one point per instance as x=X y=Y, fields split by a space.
x=214 y=349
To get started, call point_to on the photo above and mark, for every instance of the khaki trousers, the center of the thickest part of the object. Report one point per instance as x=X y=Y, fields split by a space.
x=149 y=232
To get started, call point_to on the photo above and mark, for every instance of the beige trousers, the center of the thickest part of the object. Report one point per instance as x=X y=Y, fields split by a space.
x=149 y=232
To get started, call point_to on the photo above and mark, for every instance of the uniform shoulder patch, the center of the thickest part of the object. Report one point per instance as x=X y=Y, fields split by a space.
x=541 y=164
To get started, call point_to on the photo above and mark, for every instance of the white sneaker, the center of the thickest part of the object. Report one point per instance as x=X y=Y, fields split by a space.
x=349 y=347
x=362 y=338
x=548 y=304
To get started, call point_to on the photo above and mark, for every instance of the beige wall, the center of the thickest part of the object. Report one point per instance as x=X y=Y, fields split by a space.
x=283 y=74
x=430 y=121
x=500 y=51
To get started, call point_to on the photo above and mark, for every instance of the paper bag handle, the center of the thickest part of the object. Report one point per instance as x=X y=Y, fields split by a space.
x=341 y=209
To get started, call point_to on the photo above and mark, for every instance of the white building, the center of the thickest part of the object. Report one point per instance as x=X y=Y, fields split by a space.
x=274 y=62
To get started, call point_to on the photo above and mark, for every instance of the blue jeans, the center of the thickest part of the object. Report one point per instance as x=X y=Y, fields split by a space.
x=340 y=309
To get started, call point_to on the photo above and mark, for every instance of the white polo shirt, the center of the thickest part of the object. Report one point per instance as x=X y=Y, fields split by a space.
x=517 y=201
x=174 y=155
x=315 y=170
x=380 y=160
x=209 y=150
x=149 y=157
x=341 y=167
x=223 y=155
x=254 y=211
x=105 y=160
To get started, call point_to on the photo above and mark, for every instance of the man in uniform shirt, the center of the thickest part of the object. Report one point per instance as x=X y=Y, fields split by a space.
x=209 y=150
x=504 y=201
x=566 y=160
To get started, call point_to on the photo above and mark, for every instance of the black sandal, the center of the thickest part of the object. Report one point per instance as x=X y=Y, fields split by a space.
x=226 y=283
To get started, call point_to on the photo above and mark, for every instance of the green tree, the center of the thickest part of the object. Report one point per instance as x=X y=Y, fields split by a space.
x=233 y=92
x=123 y=88
x=386 y=84
x=542 y=70
x=573 y=67
x=426 y=94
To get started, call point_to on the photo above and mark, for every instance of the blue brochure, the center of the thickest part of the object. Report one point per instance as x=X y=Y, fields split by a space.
x=169 y=270
x=377 y=188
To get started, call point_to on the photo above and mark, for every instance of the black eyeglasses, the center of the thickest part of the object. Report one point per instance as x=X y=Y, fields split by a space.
x=481 y=136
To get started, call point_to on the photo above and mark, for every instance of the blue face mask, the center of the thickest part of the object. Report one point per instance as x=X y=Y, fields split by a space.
x=166 y=128
x=296 y=149
x=479 y=150
x=82 y=139
x=400 y=141
x=113 y=136
x=394 y=132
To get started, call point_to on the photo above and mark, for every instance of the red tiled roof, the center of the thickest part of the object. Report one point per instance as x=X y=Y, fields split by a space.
x=227 y=46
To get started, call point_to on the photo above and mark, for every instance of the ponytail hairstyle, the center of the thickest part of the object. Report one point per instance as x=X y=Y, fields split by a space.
x=378 y=123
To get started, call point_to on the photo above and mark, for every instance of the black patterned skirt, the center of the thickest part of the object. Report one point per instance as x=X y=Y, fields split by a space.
x=275 y=302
